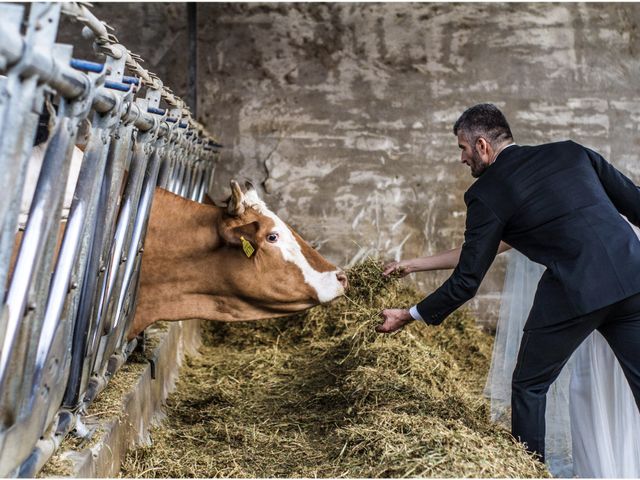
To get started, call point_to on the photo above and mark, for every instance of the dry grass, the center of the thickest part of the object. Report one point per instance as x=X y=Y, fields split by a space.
x=322 y=395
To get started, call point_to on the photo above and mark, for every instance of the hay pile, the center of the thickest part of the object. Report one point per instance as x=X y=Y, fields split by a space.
x=322 y=395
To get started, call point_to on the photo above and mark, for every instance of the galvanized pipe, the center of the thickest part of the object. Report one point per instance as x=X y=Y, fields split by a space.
x=73 y=260
x=20 y=94
x=184 y=188
x=121 y=153
x=15 y=147
x=140 y=226
x=206 y=181
x=195 y=184
x=165 y=168
x=79 y=10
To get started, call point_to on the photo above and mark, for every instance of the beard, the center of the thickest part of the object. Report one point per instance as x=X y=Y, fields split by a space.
x=477 y=166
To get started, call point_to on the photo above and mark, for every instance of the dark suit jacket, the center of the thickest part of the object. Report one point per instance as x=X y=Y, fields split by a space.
x=559 y=204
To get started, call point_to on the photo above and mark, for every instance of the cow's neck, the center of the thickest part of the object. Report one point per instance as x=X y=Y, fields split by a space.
x=181 y=237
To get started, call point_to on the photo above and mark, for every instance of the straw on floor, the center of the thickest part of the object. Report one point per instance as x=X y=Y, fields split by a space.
x=322 y=394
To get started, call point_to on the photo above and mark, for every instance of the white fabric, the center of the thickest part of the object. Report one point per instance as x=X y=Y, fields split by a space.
x=415 y=314
x=605 y=422
x=593 y=424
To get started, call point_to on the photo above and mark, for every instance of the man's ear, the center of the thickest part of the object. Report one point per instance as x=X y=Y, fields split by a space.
x=482 y=146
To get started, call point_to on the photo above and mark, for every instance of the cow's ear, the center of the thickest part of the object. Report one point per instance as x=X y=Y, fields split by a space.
x=233 y=235
x=236 y=207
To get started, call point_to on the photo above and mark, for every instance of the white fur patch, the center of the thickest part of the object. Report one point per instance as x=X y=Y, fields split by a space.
x=325 y=284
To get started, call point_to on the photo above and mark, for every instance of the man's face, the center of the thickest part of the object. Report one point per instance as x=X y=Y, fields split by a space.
x=478 y=161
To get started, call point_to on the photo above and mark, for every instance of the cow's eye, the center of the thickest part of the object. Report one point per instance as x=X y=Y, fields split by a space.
x=272 y=237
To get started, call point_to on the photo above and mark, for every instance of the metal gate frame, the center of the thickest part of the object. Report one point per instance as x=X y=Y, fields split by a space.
x=64 y=316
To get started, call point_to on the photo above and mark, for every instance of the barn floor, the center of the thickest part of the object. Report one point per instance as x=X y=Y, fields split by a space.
x=322 y=395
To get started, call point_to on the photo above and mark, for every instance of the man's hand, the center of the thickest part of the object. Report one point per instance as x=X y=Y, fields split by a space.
x=394 y=319
x=401 y=268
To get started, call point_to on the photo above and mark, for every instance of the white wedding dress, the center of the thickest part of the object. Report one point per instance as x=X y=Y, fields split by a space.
x=592 y=421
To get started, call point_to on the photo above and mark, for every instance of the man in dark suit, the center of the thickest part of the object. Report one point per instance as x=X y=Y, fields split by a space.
x=559 y=204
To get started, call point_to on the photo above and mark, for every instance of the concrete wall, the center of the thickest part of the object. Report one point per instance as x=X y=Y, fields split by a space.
x=343 y=112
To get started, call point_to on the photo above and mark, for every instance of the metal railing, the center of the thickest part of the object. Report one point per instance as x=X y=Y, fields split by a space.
x=66 y=306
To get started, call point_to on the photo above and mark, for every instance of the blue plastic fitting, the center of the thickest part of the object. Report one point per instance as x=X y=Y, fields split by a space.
x=123 y=87
x=131 y=80
x=86 y=65
x=157 y=111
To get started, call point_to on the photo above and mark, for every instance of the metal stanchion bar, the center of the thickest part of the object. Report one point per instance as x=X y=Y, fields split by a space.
x=132 y=272
x=113 y=339
x=33 y=257
x=206 y=181
x=20 y=94
x=74 y=261
x=197 y=180
x=184 y=187
x=15 y=146
x=177 y=180
x=85 y=339
x=121 y=150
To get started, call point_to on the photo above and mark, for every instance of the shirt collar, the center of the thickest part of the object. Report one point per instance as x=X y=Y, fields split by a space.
x=510 y=145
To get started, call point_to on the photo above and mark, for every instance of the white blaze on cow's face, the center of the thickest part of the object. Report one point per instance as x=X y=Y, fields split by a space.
x=328 y=284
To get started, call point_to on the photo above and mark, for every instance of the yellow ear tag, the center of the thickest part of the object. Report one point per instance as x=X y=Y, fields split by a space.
x=247 y=247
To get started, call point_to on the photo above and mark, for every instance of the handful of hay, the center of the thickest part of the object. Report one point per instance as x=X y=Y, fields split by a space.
x=321 y=394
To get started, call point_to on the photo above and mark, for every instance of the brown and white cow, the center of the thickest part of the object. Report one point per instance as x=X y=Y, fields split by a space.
x=194 y=264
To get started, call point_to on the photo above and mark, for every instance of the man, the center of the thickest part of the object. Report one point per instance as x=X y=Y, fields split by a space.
x=559 y=204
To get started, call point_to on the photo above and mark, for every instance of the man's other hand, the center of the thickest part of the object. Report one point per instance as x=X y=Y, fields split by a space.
x=394 y=320
x=401 y=268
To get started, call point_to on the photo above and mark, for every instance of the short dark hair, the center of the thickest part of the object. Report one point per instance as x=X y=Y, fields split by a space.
x=483 y=120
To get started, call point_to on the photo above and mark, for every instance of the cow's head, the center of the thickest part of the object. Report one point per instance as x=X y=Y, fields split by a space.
x=270 y=263
x=239 y=262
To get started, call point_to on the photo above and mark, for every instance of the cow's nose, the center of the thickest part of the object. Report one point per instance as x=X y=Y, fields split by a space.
x=342 y=278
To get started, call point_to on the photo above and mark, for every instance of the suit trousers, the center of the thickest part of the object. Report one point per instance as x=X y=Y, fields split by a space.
x=544 y=352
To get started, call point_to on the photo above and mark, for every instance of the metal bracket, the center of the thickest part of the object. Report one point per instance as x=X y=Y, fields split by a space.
x=41 y=33
x=152 y=134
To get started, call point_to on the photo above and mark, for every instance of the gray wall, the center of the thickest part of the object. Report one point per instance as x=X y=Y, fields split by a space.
x=343 y=112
